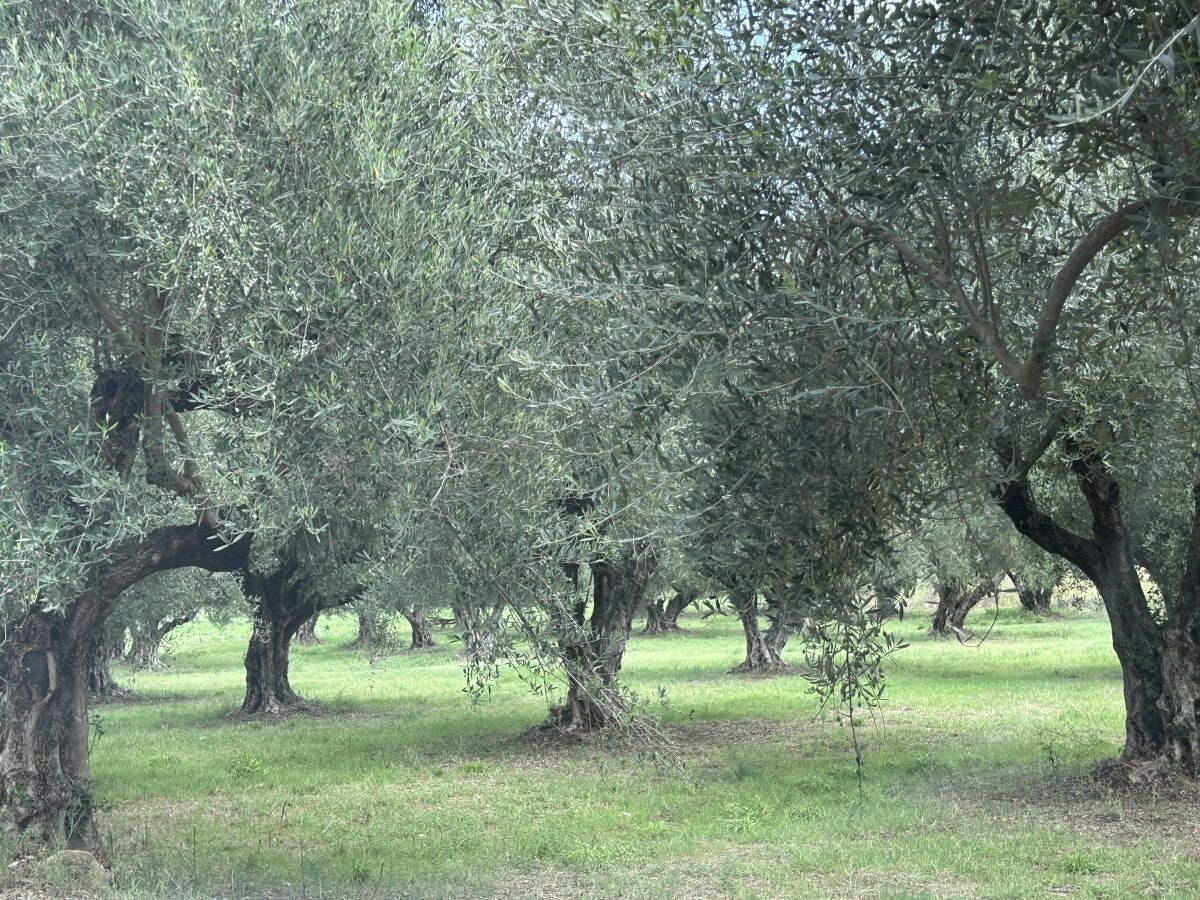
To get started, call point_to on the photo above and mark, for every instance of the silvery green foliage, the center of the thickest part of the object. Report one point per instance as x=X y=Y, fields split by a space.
x=822 y=247
x=294 y=185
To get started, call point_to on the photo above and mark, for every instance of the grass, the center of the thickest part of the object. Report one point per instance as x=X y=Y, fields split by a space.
x=972 y=780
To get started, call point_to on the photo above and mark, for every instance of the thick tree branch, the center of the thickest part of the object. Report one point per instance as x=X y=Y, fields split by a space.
x=1103 y=233
x=1016 y=500
x=984 y=329
x=1027 y=374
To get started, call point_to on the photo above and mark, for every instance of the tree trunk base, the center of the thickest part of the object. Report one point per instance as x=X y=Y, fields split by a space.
x=761 y=668
x=274 y=708
x=1135 y=776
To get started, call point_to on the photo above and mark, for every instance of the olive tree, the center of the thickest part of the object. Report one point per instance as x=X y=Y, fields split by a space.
x=203 y=226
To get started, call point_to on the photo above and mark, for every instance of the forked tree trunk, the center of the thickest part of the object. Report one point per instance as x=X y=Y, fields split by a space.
x=955 y=602
x=1160 y=663
x=593 y=653
x=679 y=601
x=1034 y=598
x=762 y=656
x=656 y=618
x=422 y=634
x=306 y=635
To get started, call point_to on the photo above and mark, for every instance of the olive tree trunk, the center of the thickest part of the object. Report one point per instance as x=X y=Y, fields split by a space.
x=955 y=602
x=101 y=684
x=374 y=633
x=422 y=634
x=306 y=635
x=277 y=614
x=146 y=638
x=1160 y=661
x=656 y=618
x=762 y=654
x=475 y=630
x=679 y=601
x=1034 y=598
x=594 y=646
x=45 y=662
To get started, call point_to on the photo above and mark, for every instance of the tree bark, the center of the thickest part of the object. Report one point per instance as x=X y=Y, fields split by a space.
x=45 y=774
x=595 y=647
x=761 y=656
x=680 y=601
x=145 y=642
x=277 y=616
x=1160 y=663
x=777 y=634
x=1034 y=598
x=422 y=634
x=476 y=631
x=101 y=684
x=955 y=601
x=656 y=618
x=306 y=636
x=374 y=633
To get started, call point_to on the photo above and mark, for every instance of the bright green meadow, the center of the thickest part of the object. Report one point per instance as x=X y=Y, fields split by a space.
x=974 y=781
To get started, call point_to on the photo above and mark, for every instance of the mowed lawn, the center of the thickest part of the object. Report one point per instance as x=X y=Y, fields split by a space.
x=972 y=779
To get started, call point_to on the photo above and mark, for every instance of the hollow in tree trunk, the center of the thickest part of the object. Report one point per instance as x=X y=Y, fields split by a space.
x=955 y=601
x=761 y=656
x=306 y=635
x=595 y=646
x=422 y=634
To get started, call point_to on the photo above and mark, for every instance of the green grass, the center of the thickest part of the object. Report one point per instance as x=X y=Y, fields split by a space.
x=413 y=791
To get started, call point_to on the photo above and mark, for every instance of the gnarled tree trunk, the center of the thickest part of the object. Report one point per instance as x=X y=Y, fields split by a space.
x=777 y=634
x=422 y=634
x=46 y=776
x=593 y=653
x=374 y=633
x=679 y=601
x=101 y=684
x=762 y=656
x=955 y=602
x=656 y=618
x=145 y=641
x=1160 y=663
x=1035 y=598
x=306 y=635
x=476 y=630
x=277 y=615
x=45 y=659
